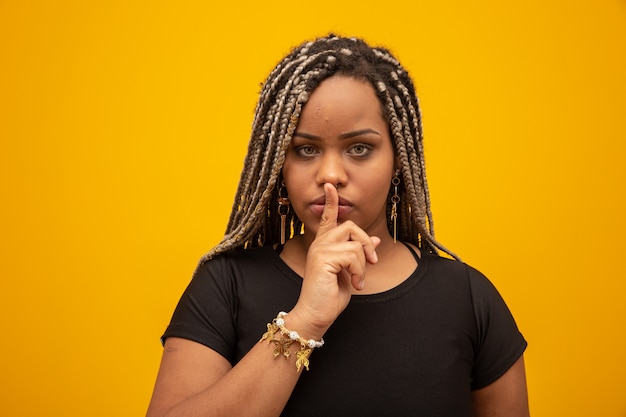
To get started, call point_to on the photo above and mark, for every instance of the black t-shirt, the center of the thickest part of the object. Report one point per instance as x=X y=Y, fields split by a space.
x=418 y=349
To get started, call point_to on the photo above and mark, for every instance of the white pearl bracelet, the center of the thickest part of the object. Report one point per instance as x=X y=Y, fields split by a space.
x=281 y=346
x=293 y=335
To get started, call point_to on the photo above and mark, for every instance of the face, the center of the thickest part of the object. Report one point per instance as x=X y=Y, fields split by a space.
x=342 y=139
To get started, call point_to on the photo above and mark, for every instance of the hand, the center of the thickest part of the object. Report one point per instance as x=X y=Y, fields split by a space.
x=336 y=262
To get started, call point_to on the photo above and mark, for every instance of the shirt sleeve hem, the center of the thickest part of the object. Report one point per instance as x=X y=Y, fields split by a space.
x=494 y=376
x=197 y=336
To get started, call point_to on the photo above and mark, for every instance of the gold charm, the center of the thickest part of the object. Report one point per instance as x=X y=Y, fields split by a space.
x=303 y=358
x=271 y=331
x=283 y=226
x=282 y=347
x=283 y=210
x=287 y=337
x=395 y=199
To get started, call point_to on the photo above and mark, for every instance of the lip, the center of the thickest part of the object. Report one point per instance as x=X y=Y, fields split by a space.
x=321 y=200
x=344 y=206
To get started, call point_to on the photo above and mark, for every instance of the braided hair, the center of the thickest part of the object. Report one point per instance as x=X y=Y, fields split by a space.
x=254 y=220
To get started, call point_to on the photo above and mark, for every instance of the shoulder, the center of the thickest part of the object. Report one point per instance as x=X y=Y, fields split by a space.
x=238 y=254
x=240 y=257
x=226 y=269
x=460 y=277
x=242 y=270
x=452 y=269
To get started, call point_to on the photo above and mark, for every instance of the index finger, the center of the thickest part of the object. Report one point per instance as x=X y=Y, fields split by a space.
x=331 y=209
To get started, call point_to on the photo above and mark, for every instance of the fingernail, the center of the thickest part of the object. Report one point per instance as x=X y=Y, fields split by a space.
x=326 y=192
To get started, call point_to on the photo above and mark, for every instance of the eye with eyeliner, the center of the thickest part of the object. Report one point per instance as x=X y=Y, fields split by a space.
x=360 y=150
x=305 y=151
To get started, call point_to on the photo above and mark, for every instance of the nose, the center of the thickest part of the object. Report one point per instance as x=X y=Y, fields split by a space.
x=332 y=170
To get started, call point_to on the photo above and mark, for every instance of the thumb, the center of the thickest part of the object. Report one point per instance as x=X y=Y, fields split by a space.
x=331 y=209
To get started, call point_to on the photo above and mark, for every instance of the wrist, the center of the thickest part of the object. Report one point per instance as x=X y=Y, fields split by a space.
x=295 y=335
x=287 y=338
x=307 y=326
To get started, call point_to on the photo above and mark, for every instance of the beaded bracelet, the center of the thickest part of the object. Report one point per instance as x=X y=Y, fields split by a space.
x=281 y=346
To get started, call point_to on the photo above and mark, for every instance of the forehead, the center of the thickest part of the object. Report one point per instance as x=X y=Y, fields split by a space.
x=341 y=105
x=343 y=91
x=339 y=83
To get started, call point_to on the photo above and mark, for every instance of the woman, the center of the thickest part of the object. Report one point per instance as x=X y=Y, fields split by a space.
x=332 y=224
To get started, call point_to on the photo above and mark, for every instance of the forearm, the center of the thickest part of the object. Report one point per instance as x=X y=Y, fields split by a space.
x=258 y=385
x=197 y=381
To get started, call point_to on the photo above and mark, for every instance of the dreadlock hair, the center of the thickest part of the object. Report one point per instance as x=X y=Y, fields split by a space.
x=254 y=219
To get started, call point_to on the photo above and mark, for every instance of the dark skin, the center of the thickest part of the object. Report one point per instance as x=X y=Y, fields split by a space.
x=197 y=381
x=338 y=170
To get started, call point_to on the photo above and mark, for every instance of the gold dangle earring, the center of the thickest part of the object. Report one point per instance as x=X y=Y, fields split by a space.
x=395 y=199
x=283 y=209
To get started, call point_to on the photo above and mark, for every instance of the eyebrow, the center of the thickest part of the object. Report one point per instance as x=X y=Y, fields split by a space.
x=346 y=135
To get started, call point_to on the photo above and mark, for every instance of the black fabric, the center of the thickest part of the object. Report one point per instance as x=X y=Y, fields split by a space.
x=418 y=349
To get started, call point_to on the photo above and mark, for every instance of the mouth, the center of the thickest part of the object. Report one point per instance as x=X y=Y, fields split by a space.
x=344 y=206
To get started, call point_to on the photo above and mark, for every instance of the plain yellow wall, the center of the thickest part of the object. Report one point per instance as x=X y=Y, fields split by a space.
x=123 y=125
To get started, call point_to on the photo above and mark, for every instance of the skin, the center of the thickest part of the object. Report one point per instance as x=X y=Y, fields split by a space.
x=343 y=141
x=338 y=172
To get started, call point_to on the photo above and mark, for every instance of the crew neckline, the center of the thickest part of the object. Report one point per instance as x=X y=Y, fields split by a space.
x=413 y=279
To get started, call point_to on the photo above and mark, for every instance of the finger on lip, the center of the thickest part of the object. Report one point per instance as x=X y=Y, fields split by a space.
x=320 y=201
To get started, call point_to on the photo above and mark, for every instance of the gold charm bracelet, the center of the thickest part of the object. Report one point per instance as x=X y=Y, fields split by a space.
x=281 y=346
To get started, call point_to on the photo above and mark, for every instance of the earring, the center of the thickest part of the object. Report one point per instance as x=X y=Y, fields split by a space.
x=395 y=199
x=283 y=209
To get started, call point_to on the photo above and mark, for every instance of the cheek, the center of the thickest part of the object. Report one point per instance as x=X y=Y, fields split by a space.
x=295 y=172
x=293 y=182
x=380 y=187
x=286 y=171
x=383 y=188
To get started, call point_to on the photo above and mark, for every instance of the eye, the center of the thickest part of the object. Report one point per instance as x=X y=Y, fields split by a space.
x=360 y=150
x=306 y=151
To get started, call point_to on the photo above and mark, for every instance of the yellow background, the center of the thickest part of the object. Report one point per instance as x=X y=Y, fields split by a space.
x=123 y=126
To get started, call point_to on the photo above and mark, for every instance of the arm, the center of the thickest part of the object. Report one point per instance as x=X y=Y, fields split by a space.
x=195 y=380
x=506 y=397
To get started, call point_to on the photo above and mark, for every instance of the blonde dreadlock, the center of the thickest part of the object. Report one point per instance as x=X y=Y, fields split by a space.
x=254 y=220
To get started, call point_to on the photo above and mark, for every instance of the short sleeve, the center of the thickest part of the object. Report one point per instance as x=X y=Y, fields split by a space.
x=205 y=312
x=499 y=343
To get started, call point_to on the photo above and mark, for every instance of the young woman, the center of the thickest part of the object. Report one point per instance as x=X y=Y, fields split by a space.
x=332 y=224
